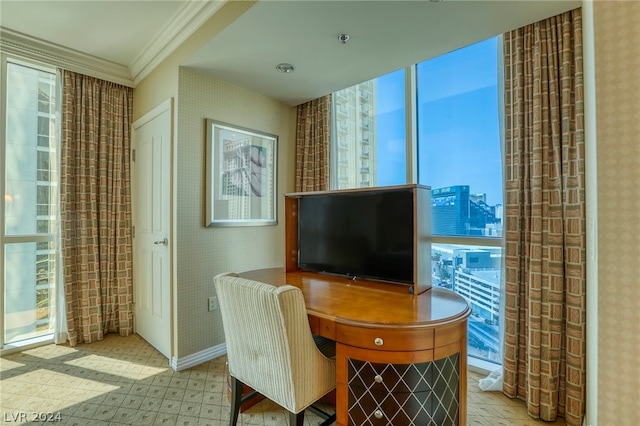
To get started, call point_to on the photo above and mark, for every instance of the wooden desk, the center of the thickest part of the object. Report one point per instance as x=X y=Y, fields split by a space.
x=398 y=356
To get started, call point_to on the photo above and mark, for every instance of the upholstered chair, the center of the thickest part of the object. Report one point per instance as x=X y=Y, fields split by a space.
x=270 y=347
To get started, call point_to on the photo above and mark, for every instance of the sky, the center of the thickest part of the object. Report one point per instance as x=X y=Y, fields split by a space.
x=458 y=127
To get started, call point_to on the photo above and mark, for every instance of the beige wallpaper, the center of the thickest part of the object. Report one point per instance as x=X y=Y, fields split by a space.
x=203 y=252
x=617 y=59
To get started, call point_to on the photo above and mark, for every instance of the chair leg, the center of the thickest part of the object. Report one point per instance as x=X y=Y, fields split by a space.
x=296 y=419
x=236 y=398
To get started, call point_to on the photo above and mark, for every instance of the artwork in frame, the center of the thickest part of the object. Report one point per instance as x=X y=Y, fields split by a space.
x=240 y=176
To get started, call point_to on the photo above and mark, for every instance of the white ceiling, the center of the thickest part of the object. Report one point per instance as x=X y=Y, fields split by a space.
x=384 y=35
x=117 y=31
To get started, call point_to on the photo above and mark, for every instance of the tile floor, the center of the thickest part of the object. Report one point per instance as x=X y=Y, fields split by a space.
x=123 y=380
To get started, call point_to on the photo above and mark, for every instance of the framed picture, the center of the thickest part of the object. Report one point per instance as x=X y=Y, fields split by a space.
x=240 y=176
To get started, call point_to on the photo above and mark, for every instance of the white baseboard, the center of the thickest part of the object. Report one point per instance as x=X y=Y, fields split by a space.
x=192 y=360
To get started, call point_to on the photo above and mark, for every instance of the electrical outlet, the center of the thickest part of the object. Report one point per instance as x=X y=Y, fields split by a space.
x=213 y=303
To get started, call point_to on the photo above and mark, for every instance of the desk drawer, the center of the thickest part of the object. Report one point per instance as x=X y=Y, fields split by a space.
x=385 y=339
x=322 y=326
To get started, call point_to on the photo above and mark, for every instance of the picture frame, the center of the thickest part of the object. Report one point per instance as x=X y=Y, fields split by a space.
x=241 y=170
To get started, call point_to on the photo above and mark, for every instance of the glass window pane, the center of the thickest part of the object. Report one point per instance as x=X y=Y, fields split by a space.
x=475 y=273
x=43 y=125
x=43 y=175
x=45 y=95
x=43 y=194
x=369 y=147
x=43 y=160
x=43 y=210
x=29 y=204
x=29 y=280
x=29 y=158
x=459 y=154
x=43 y=226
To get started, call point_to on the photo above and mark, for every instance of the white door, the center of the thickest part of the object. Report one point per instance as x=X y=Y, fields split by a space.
x=151 y=202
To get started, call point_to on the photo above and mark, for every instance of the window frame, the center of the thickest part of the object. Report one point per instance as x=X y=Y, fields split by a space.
x=5 y=239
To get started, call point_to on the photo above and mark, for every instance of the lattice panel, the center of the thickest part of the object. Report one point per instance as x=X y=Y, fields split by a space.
x=404 y=394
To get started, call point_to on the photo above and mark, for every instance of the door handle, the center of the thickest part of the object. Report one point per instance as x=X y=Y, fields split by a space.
x=164 y=242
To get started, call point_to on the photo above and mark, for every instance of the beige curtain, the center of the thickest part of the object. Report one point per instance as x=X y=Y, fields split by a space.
x=96 y=207
x=545 y=318
x=313 y=136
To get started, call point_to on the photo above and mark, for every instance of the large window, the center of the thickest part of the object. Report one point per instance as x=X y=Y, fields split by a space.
x=458 y=156
x=30 y=203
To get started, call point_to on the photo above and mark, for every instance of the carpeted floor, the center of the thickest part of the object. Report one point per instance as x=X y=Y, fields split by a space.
x=123 y=380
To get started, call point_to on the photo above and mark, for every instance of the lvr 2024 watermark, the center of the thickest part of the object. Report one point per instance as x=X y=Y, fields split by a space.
x=32 y=416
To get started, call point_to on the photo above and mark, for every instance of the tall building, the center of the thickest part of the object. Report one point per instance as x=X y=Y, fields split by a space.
x=455 y=211
x=355 y=144
x=450 y=210
x=474 y=273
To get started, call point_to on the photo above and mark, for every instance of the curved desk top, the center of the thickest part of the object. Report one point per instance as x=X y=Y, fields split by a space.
x=369 y=303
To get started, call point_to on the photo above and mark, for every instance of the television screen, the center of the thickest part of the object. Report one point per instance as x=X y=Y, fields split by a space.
x=358 y=234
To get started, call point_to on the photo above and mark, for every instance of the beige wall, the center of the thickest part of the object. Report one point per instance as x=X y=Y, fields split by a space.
x=203 y=252
x=617 y=63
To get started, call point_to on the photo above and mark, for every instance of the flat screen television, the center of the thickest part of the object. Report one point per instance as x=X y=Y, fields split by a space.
x=366 y=234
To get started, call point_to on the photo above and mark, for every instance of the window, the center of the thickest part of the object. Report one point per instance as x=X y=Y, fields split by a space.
x=369 y=124
x=458 y=156
x=30 y=203
x=459 y=152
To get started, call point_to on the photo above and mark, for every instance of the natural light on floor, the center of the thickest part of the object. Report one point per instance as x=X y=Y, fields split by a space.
x=122 y=368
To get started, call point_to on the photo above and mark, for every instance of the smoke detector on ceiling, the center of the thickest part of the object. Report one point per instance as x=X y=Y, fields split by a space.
x=285 y=68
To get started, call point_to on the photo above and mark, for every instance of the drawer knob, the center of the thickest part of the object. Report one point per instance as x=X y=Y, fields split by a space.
x=378 y=414
x=378 y=378
x=378 y=341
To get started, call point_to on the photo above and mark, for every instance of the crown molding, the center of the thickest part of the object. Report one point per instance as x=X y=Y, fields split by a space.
x=28 y=47
x=176 y=32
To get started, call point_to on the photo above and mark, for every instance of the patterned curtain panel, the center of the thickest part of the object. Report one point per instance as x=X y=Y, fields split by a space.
x=96 y=207
x=313 y=136
x=545 y=318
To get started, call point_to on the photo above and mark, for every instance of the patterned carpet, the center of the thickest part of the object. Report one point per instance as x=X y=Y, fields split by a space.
x=123 y=380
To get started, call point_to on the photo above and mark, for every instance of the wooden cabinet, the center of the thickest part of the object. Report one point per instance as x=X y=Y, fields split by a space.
x=410 y=379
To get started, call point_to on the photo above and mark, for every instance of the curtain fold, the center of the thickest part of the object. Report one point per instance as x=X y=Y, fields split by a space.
x=61 y=331
x=96 y=207
x=545 y=225
x=313 y=141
